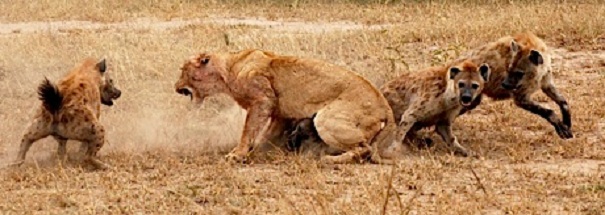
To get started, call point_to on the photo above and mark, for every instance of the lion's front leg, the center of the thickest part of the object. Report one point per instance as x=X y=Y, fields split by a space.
x=259 y=127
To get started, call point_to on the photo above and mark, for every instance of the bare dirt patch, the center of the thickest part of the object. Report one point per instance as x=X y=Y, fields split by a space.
x=579 y=61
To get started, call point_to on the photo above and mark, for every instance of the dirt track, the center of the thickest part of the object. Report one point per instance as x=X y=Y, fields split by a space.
x=157 y=25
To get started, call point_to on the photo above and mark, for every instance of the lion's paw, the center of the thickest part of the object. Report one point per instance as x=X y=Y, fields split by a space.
x=235 y=158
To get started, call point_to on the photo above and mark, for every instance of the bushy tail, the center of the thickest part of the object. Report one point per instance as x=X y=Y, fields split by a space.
x=52 y=100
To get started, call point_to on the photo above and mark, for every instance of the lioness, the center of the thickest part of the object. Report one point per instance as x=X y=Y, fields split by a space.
x=350 y=113
x=71 y=110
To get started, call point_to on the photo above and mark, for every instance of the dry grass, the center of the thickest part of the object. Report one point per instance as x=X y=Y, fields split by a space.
x=168 y=153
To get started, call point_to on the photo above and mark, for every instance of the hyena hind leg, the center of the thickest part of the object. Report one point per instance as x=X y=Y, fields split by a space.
x=37 y=130
x=61 y=147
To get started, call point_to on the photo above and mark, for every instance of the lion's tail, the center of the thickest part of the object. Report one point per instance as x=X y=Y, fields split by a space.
x=51 y=98
x=383 y=139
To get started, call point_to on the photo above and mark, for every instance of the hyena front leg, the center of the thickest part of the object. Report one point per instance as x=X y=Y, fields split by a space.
x=444 y=129
x=408 y=119
x=526 y=103
x=548 y=87
x=420 y=142
x=38 y=129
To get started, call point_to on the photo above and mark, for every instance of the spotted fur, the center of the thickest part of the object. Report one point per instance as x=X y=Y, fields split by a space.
x=71 y=110
x=434 y=97
x=522 y=65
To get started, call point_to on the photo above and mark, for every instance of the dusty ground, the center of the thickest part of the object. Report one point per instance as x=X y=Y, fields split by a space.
x=168 y=153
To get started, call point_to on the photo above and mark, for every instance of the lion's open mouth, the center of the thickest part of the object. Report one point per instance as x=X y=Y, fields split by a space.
x=465 y=104
x=185 y=91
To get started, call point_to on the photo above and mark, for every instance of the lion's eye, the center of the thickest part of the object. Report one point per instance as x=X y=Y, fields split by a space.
x=460 y=85
x=475 y=86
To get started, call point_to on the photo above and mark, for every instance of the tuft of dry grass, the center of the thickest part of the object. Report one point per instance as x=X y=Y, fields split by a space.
x=168 y=153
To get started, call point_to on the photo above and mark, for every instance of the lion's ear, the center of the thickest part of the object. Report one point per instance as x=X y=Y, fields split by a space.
x=101 y=66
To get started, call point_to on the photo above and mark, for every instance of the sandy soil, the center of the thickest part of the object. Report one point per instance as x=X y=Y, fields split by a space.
x=197 y=180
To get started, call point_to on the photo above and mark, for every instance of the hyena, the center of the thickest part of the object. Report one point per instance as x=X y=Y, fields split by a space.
x=434 y=97
x=521 y=65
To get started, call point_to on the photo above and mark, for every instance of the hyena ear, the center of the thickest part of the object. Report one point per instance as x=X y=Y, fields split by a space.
x=514 y=46
x=453 y=72
x=535 y=57
x=102 y=66
x=485 y=71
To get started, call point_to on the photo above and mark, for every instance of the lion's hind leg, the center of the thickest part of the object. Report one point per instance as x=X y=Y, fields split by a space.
x=341 y=129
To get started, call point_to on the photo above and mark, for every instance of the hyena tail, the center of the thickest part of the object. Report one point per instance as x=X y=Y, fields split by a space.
x=383 y=139
x=51 y=98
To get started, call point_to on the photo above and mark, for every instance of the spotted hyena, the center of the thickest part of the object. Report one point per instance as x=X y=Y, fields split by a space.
x=521 y=65
x=71 y=110
x=434 y=97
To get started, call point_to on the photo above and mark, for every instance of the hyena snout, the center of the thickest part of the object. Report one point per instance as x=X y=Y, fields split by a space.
x=513 y=80
x=117 y=94
x=466 y=97
x=108 y=94
x=507 y=85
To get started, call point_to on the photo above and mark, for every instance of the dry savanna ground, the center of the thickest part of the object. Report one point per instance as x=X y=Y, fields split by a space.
x=168 y=153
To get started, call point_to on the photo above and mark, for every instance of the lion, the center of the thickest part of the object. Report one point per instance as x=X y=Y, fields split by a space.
x=71 y=110
x=350 y=114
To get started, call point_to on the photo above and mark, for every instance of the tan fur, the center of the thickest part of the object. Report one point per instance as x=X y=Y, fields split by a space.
x=510 y=55
x=83 y=90
x=351 y=114
x=433 y=97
